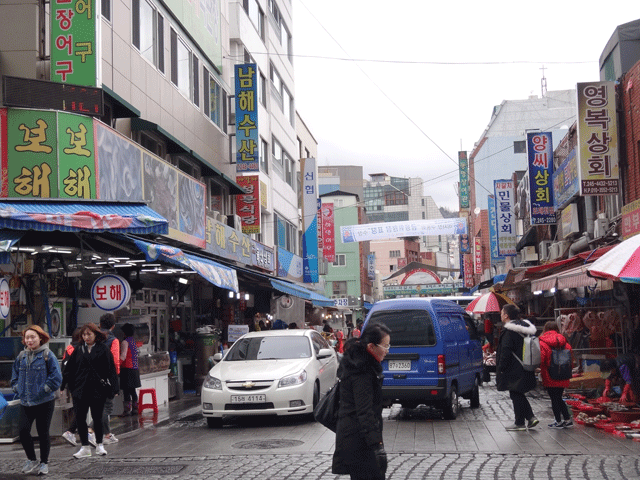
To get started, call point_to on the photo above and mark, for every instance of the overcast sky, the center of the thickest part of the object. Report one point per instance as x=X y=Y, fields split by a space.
x=400 y=86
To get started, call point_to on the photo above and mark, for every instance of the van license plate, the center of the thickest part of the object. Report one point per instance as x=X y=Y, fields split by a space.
x=399 y=364
x=248 y=398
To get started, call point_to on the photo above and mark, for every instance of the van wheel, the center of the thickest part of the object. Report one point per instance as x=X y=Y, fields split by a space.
x=475 y=394
x=451 y=406
x=213 y=422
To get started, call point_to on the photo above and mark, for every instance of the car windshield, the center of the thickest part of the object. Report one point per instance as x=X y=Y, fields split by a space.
x=269 y=348
x=408 y=327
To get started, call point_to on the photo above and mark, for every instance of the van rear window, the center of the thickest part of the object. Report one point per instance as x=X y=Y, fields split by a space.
x=409 y=328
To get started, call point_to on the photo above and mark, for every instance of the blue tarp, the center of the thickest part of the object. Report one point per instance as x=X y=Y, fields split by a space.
x=301 y=292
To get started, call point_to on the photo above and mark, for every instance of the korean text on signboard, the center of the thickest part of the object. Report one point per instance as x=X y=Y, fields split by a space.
x=110 y=292
x=247 y=145
x=73 y=42
x=540 y=155
x=598 y=139
x=468 y=271
x=506 y=222
x=477 y=255
x=493 y=228
x=248 y=204
x=309 y=219
x=631 y=219
x=566 y=181
x=371 y=266
x=463 y=191
x=50 y=155
x=328 y=233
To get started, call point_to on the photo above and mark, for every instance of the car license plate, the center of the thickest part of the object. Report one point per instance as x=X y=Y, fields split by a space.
x=399 y=364
x=248 y=398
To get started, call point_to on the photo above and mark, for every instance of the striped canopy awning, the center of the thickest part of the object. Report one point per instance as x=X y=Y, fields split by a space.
x=47 y=216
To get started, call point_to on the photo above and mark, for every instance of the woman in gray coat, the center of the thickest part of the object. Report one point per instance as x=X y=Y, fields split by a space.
x=510 y=375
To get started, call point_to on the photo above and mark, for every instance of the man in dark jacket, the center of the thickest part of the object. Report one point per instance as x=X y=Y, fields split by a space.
x=510 y=375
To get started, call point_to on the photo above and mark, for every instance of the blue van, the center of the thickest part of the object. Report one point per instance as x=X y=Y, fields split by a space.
x=435 y=355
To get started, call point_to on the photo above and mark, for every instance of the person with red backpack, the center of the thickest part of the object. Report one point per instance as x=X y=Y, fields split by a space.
x=552 y=341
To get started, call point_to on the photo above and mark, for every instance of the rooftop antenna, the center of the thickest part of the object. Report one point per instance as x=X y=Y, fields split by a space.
x=543 y=83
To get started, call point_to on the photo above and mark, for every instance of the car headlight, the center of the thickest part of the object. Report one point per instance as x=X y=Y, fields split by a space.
x=291 y=380
x=212 y=382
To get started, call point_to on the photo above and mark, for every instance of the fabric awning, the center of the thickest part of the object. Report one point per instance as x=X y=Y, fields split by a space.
x=8 y=238
x=544 y=284
x=213 y=272
x=576 y=277
x=48 y=216
x=301 y=292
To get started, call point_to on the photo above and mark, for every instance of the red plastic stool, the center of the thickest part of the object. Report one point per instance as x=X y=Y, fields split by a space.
x=154 y=402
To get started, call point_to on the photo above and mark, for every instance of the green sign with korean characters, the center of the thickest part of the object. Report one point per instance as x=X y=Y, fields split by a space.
x=73 y=42
x=76 y=156
x=32 y=154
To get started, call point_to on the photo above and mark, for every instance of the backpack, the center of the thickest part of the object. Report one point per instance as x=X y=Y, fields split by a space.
x=530 y=353
x=560 y=364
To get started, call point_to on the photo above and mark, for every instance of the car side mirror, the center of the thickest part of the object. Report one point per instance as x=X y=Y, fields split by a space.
x=325 y=352
x=217 y=357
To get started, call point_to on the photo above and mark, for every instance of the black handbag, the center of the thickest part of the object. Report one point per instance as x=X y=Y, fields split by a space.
x=326 y=412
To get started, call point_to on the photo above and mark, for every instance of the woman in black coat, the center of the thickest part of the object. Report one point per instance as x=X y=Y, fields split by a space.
x=510 y=375
x=359 y=449
x=90 y=362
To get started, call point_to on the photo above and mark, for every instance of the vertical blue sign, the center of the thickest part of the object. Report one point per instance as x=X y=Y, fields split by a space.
x=309 y=220
x=540 y=155
x=371 y=267
x=493 y=228
x=247 y=145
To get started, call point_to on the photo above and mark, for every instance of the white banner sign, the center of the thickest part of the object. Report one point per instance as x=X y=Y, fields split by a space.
x=411 y=228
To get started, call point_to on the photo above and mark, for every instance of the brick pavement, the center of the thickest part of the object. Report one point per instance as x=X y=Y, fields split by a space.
x=420 y=445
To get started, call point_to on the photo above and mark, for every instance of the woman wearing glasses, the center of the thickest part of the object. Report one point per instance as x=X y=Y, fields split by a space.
x=359 y=449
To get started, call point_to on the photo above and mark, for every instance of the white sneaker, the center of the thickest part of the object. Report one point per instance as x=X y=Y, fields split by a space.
x=100 y=450
x=110 y=439
x=43 y=469
x=70 y=437
x=92 y=439
x=31 y=466
x=85 y=451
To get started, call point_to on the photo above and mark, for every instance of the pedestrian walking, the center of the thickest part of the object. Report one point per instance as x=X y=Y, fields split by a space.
x=510 y=375
x=107 y=324
x=359 y=449
x=76 y=339
x=35 y=378
x=551 y=339
x=129 y=372
x=91 y=376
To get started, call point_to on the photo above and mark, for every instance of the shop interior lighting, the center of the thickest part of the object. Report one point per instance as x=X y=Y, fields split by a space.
x=101 y=263
x=137 y=261
x=231 y=294
x=26 y=249
x=122 y=265
x=553 y=290
x=47 y=247
x=183 y=281
x=246 y=296
x=238 y=295
x=538 y=292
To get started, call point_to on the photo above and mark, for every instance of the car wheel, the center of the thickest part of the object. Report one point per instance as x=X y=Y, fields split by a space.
x=316 y=395
x=214 y=422
x=475 y=394
x=450 y=407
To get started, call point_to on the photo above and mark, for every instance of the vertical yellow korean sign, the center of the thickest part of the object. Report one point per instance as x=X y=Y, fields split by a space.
x=73 y=42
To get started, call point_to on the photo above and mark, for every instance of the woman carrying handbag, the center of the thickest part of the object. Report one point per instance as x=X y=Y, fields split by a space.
x=91 y=376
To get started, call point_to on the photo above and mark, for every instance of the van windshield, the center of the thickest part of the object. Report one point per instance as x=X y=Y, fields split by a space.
x=409 y=328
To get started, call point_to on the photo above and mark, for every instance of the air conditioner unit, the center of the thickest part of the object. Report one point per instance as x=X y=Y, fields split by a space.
x=215 y=214
x=222 y=219
x=600 y=226
x=529 y=254
x=543 y=249
x=553 y=251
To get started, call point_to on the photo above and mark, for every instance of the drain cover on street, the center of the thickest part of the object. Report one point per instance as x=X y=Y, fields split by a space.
x=130 y=470
x=267 y=444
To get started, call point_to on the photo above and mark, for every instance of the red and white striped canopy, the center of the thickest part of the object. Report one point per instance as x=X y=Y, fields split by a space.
x=488 y=302
x=621 y=263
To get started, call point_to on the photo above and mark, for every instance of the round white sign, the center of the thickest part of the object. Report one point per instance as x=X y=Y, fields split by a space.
x=5 y=299
x=110 y=292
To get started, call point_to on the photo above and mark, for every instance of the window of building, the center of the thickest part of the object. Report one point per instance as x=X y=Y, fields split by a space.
x=341 y=260
x=264 y=156
x=520 y=146
x=340 y=288
x=256 y=15
x=394 y=254
x=181 y=65
x=276 y=86
x=424 y=215
x=262 y=90
x=277 y=155
x=106 y=10
x=153 y=144
x=286 y=234
x=219 y=196
x=148 y=32
x=338 y=202
x=196 y=80
x=212 y=98
x=289 y=167
x=287 y=105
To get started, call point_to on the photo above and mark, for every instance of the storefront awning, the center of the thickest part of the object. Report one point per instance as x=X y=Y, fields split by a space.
x=544 y=284
x=8 y=238
x=301 y=292
x=48 y=216
x=213 y=272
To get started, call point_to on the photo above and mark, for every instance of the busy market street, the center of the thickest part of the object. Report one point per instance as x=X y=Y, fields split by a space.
x=419 y=444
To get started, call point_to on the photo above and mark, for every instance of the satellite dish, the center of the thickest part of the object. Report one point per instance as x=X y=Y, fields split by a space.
x=477 y=211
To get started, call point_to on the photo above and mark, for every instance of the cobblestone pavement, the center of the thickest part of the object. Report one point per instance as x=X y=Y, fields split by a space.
x=420 y=445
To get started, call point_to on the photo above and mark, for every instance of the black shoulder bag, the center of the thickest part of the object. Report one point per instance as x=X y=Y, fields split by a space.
x=326 y=412
x=106 y=389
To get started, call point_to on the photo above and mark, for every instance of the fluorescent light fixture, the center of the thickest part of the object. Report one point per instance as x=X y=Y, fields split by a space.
x=101 y=263
x=122 y=265
x=246 y=297
x=137 y=261
x=117 y=259
x=553 y=290
x=537 y=292
x=231 y=294
x=183 y=281
x=238 y=295
x=26 y=249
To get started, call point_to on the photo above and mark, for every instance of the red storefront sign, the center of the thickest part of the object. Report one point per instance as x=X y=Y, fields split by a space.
x=477 y=255
x=248 y=204
x=328 y=233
